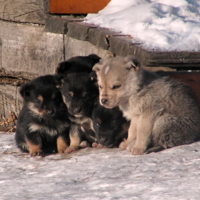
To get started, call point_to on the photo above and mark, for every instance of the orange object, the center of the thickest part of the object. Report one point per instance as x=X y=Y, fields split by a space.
x=77 y=6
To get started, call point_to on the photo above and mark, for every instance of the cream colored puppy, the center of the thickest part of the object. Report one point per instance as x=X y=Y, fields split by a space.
x=164 y=112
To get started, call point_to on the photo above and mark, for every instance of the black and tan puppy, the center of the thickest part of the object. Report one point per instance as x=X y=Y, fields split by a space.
x=43 y=124
x=79 y=92
x=110 y=127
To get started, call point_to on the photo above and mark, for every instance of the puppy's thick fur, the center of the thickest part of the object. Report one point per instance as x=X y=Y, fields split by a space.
x=78 y=64
x=164 y=112
x=43 y=124
x=79 y=92
x=110 y=127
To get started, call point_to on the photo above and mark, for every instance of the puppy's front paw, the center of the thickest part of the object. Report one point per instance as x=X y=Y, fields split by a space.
x=36 y=153
x=35 y=150
x=137 y=151
x=97 y=145
x=123 y=145
x=94 y=145
x=71 y=149
x=84 y=144
x=61 y=145
x=130 y=146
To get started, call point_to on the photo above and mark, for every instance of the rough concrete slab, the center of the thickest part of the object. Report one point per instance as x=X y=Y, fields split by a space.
x=31 y=11
x=10 y=99
x=0 y=53
x=79 y=30
x=122 y=46
x=190 y=60
x=74 y=47
x=99 y=37
x=28 y=51
x=46 y=5
x=58 y=25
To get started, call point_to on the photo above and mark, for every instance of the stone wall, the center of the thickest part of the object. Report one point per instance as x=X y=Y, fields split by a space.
x=32 y=43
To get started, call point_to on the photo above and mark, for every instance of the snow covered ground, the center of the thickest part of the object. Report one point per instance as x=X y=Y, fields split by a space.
x=99 y=174
x=166 y=25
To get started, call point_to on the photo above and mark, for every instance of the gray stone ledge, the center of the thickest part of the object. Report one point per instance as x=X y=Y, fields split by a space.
x=122 y=45
x=79 y=30
x=58 y=25
x=29 y=11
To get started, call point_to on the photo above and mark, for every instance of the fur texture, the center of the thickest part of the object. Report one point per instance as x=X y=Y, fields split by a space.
x=78 y=64
x=43 y=124
x=164 y=112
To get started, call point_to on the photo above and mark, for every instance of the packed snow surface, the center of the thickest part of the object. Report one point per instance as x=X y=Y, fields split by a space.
x=163 y=25
x=99 y=174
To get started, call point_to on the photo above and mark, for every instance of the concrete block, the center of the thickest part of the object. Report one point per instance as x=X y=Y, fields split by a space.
x=28 y=51
x=99 y=37
x=59 y=25
x=74 y=47
x=56 y=25
x=0 y=54
x=79 y=30
x=123 y=46
x=10 y=100
x=31 y=11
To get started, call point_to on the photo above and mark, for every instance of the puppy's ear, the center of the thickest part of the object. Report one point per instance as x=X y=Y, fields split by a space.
x=132 y=63
x=59 y=79
x=98 y=66
x=94 y=58
x=25 y=90
x=93 y=77
x=63 y=67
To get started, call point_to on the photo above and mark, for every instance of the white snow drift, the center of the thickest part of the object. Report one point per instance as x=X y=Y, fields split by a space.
x=163 y=25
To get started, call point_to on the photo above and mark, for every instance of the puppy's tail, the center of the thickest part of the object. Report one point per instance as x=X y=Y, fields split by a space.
x=154 y=149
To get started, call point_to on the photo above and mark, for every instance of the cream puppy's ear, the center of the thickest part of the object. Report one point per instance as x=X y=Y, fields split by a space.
x=98 y=66
x=132 y=63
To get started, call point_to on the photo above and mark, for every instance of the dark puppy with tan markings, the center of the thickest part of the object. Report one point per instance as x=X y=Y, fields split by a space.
x=79 y=90
x=110 y=127
x=79 y=93
x=43 y=124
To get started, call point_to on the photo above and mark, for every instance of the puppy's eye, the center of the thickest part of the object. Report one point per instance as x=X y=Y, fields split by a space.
x=116 y=86
x=69 y=95
x=97 y=125
x=84 y=95
x=37 y=101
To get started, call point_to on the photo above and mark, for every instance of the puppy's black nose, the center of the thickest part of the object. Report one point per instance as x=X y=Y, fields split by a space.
x=77 y=110
x=104 y=101
x=50 y=112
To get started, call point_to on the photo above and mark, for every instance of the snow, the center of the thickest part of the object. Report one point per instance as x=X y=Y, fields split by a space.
x=99 y=174
x=162 y=25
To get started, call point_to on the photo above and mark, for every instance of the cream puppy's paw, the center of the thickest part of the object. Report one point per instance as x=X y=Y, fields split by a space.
x=84 y=144
x=137 y=151
x=123 y=145
x=134 y=149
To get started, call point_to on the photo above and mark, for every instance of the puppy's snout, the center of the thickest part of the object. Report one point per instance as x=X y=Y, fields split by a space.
x=77 y=110
x=102 y=139
x=104 y=101
x=50 y=112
